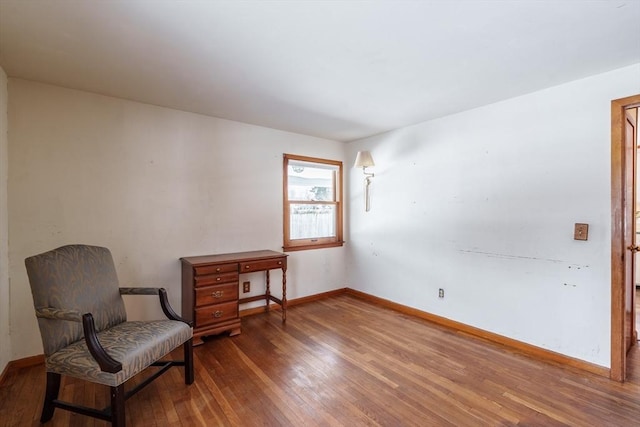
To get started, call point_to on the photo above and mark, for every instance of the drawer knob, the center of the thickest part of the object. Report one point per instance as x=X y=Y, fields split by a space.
x=246 y=267
x=217 y=294
x=279 y=262
x=218 y=279
x=217 y=314
x=217 y=270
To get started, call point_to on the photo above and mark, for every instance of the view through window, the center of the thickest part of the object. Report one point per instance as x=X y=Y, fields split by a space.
x=312 y=202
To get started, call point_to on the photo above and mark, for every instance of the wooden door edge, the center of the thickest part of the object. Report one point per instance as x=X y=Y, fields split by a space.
x=618 y=354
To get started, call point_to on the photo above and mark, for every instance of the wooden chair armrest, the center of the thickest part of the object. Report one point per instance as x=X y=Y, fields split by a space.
x=139 y=291
x=168 y=310
x=106 y=362
x=53 y=313
x=164 y=301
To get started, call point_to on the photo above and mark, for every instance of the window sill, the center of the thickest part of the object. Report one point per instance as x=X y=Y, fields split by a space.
x=312 y=246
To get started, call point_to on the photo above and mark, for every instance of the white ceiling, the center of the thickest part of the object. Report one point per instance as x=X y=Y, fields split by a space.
x=340 y=70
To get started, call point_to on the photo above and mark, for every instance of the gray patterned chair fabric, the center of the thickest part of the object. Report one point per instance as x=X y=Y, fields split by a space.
x=85 y=332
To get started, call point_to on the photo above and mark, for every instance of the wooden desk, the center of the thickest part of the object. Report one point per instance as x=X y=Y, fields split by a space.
x=210 y=289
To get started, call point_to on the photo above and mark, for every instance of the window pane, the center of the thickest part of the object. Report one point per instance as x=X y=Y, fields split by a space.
x=312 y=221
x=312 y=203
x=310 y=183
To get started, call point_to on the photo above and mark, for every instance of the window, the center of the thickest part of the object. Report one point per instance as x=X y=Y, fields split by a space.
x=312 y=203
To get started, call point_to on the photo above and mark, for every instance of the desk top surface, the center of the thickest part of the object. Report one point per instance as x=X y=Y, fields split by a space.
x=233 y=257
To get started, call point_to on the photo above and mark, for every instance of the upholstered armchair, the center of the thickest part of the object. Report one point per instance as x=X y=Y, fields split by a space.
x=85 y=332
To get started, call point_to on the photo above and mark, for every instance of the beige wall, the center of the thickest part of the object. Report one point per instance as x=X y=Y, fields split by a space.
x=5 y=339
x=152 y=184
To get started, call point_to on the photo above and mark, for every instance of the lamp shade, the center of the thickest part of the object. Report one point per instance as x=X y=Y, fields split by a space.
x=364 y=160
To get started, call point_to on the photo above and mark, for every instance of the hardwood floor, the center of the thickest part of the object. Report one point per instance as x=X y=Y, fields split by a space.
x=345 y=362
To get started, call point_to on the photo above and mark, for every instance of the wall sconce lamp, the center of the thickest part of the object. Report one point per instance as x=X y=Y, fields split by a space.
x=364 y=160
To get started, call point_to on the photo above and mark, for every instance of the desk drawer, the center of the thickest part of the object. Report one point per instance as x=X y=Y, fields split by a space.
x=216 y=294
x=216 y=313
x=214 y=279
x=215 y=269
x=267 y=264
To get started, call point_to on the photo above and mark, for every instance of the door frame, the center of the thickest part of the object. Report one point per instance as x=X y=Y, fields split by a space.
x=618 y=217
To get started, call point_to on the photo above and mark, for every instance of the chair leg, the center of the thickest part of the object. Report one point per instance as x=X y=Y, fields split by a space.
x=188 y=362
x=117 y=406
x=51 y=394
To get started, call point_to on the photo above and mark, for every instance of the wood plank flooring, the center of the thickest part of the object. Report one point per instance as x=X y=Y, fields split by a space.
x=345 y=362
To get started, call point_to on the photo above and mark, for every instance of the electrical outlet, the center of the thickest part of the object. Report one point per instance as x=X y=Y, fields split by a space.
x=246 y=287
x=440 y=293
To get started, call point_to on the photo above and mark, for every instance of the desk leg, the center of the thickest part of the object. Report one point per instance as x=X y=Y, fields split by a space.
x=284 y=295
x=267 y=293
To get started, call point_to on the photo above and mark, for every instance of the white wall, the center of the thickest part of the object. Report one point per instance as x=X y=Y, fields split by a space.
x=5 y=339
x=152 y=184
x=483 y=204
x=480 y=203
